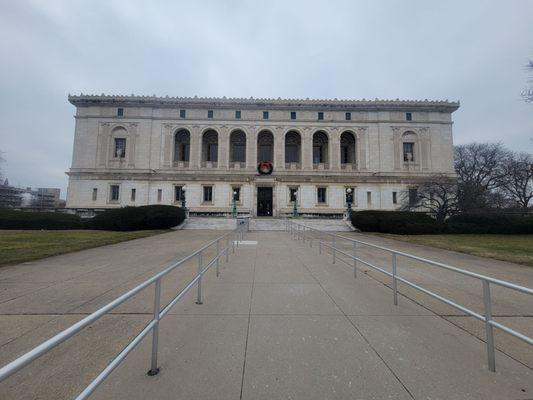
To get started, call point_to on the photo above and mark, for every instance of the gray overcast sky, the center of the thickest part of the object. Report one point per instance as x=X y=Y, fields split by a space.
x=472 y=51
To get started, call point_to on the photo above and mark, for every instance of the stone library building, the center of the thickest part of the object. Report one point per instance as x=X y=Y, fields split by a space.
x=261 y=157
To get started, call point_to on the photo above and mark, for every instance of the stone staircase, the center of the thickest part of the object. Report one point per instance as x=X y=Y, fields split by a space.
x=224 y=224
x=266 y=224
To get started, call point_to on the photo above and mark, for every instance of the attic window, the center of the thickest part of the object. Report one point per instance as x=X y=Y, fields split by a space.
x=120 y=112
x=408 y=116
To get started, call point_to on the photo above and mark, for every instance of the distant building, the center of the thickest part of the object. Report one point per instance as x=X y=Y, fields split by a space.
x=15 y=197
x=10 y=196
x=260 y=155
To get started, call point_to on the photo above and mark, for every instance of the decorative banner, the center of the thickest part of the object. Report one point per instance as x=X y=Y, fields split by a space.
x=265 y=168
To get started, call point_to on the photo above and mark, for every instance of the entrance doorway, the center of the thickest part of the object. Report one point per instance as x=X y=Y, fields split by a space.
x=264 y=201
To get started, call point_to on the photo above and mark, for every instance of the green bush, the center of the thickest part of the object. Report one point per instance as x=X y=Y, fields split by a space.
x=397 y=222
x=490 y=223
x=137 y=218
x=11 y=219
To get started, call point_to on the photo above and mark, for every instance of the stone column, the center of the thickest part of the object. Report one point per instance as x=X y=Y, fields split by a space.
x=279 y=148
x=251 y=147
x=307 y=149
x=196 y=147
x=223 y=147
x=334 y=150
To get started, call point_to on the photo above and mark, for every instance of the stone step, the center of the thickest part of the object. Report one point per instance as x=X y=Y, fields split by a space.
x=266 y=224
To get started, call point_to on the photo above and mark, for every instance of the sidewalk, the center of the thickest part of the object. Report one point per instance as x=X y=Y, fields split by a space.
x=283 y=322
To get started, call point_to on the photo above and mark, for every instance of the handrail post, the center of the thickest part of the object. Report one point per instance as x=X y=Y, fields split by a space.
x=154 y=370
x=303 y=233
x=310 y=238
x=199 y=294
x=333 y=248
x=320 y=247
x=218 y=256
x=394 y=280
x=354 y=253
x=233 y=243
x=488 y=327
x=227 y=248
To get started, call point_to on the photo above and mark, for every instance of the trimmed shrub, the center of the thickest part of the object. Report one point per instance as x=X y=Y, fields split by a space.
x=11 y=219
x=137 y=218
x=490 y=223
x=397 y=222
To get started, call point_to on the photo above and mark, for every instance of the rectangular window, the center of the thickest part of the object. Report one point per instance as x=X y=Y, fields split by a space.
x=185 y=151
x=95 y=194
x=208 y=194
x=236 y=194
x=114 y=192
x=120 y=112
x=321 y=195
x=317 y=155
x=179 y=193
x=182 y=113
x=159 y=195
x=212 y=152
x=413 y=197
x=293 y=114
x=237 y=115
x=408 y=116
x=369 y=198
x=320 y=115
x=239 y=152
x=120 y=148
x=394 y=198
x=265 y=114
x=210 y=114
x=293 y=194
x=408 y=151
x=291 y=153
x=345 y=154
x=133 y=194
x=348 y=116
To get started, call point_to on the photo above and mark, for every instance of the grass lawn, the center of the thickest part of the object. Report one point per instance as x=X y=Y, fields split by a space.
x=17 y=246
x=512 y=248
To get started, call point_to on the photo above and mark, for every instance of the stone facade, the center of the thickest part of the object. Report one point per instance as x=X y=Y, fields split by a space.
x=132 y=150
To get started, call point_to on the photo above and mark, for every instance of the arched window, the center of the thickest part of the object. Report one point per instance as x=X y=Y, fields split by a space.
x=210 y=146
x=347 y=148
x=320 y=148
x=293 y=145
x=265 y=146
x=238 y=146
x=409 y=140
x=182 y=145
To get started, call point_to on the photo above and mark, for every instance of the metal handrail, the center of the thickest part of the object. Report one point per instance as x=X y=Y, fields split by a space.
x=298 y=231
x=153 y=326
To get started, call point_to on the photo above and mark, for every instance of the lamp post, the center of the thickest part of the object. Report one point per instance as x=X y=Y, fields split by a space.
x=234 y=210
x=295 y=208
x=349 y=199
x=184 y=202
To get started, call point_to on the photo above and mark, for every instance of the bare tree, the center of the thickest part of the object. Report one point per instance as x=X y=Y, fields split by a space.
x=438 y=195
x=527 y=94
x=479 y=168
x=1 y=161
x=517 y=181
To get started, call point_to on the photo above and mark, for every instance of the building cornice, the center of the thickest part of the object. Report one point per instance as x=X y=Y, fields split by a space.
x=265 y=103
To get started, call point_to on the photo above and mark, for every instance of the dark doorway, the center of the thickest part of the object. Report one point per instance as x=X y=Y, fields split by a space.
x=264 y=201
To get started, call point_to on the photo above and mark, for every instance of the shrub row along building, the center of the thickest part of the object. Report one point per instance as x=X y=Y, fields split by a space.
x=259 y=155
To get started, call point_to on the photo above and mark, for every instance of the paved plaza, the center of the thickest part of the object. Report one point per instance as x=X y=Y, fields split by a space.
x=280 y=322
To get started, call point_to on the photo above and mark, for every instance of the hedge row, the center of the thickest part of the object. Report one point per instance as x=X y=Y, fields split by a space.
x=10 y=219
x=138 y=218
x=414 y=223
x=120 y=219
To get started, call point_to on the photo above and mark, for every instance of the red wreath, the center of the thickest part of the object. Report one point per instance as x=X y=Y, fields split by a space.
x=265 y=168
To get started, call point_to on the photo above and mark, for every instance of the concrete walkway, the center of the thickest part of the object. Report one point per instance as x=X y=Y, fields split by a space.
x=280 y=322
